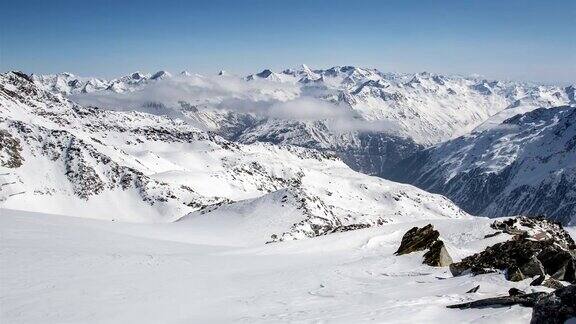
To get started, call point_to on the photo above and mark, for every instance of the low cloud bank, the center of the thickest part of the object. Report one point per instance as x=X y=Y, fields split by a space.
x=260 y=98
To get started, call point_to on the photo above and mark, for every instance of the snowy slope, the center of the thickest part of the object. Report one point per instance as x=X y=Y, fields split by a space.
x=524 y=165
x=60 y=269
x=59 y=157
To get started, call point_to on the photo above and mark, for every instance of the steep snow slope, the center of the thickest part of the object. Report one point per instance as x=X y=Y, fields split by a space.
x=525 y=165
x=60 y=157
x=59 y=269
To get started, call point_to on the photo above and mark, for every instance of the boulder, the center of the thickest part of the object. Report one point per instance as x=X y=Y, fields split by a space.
x=418 y=239
x=437 y=255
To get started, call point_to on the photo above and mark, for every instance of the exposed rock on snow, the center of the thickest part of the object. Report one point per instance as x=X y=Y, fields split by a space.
x=473 y=290
x=527 y=300
x=553 y=308
x=10 y=150
x=538 y=228
x=552 y=283
x=437 y=255
x=418 y=239
x=526 y=255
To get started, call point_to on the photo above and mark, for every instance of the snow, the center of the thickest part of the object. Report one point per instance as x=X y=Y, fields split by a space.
x=59 y=269
x=427 y=108
x=143 y=216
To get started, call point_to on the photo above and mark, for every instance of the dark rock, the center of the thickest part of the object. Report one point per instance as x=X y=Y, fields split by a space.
x=556 y=307
x=528 y=300
x=553 y=308
x=10 y=150
x=538 y=281
x=473 y=290
x=514 y=274
x=522 y=258
x=437 y=255
x=558 y=263
x=553 y=283
x=532 y=268
x=492 y=234
x=515 y=292
x=418 y=239
x=537 y=228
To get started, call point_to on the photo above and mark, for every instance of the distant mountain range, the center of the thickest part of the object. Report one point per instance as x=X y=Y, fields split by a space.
x=62 y=158
x=494 y=147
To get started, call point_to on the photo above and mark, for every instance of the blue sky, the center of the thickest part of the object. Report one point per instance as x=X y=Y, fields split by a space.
x=523 y=40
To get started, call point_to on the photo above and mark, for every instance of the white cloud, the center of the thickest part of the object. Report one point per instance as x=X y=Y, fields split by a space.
x=228 y=93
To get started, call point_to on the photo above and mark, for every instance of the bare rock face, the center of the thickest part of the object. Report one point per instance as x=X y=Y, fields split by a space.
x=553 y=308
x=418 y=239
x=437 y=255
x=10 y=150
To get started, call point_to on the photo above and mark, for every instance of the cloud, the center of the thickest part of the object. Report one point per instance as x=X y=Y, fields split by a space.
x=261 y=98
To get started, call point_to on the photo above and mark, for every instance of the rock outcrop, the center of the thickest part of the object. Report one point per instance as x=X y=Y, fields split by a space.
x=437 y=255
x=539 y=247
x=520 y=259
x=420 y=239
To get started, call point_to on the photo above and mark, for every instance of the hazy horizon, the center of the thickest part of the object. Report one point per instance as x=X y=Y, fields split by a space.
x=515 y=40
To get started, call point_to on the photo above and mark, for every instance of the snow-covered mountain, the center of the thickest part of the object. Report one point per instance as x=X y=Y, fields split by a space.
x=370 y=119
x=524 y=165
x=62 y=158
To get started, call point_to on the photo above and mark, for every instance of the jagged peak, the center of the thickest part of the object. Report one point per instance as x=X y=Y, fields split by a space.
x=264 y=74
x=137 y=75
x=161 y=75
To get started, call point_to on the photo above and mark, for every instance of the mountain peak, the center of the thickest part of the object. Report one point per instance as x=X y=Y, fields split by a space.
x=264 y=74
x=160 y=75
x=137 y=75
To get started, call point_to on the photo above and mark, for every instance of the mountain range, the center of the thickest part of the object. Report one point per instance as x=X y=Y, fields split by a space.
x=461 y=137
